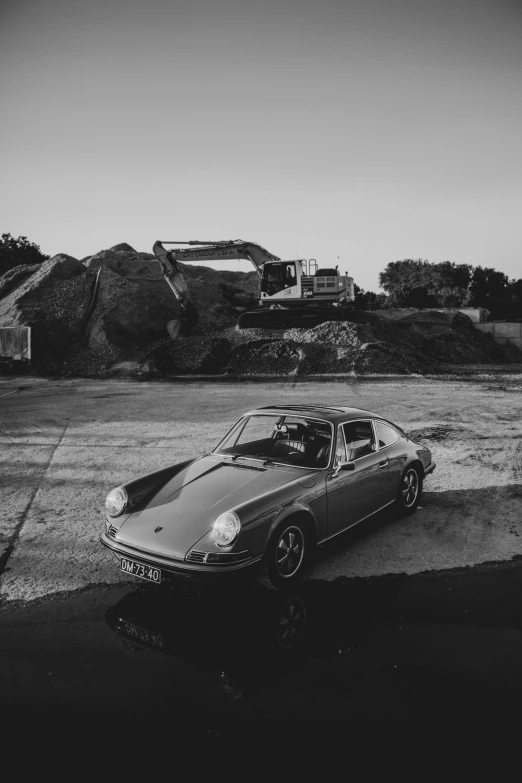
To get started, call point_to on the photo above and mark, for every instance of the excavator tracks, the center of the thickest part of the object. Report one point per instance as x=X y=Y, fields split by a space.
x=288 y=318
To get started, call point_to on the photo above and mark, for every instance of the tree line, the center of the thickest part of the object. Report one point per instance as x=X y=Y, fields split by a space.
x=408 y=283
x=420 y=284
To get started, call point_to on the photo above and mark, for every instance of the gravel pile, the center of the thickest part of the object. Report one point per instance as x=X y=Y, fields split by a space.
x=104 y=314
x=107 y=314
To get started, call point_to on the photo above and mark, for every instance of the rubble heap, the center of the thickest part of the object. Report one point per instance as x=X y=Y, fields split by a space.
x=107 y=315
x=368 y=344
x=103 y=314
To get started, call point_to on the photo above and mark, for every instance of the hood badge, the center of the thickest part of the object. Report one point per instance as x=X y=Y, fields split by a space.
x=157 y=530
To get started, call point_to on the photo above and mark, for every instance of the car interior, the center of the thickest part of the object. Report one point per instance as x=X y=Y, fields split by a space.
x=359 y=438
x=302 y=442
x=306 y=443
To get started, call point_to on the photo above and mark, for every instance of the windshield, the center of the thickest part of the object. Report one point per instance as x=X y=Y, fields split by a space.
x=274 y=438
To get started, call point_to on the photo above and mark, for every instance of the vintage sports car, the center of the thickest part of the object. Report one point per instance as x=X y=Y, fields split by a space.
x=282 y=481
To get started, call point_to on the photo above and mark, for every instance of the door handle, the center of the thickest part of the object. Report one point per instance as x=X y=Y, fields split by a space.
x=382 y=464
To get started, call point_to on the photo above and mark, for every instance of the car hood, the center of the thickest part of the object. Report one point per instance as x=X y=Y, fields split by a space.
x=185 y=507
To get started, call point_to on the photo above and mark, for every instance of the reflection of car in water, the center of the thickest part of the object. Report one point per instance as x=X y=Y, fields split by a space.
x=253 y=636
x=414 y=647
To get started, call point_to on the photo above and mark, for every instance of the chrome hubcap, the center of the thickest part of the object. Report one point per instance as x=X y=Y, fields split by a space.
x=410 y=488
x=289 y=552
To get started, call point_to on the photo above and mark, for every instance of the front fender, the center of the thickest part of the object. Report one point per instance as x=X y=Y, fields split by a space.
x=260 y=517
x=292 y=510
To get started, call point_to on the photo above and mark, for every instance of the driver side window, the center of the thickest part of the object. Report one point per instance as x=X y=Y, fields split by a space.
x=359 y=438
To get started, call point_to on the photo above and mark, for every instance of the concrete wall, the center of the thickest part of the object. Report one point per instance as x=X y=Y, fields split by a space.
x=477 y=314
x=15 y=342
x=503 y=333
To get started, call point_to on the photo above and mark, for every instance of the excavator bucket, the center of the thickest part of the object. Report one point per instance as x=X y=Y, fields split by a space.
x=174 y=328
x=185 y=323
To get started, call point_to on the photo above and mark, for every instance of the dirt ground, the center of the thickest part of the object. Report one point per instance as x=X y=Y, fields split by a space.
x=66 y=443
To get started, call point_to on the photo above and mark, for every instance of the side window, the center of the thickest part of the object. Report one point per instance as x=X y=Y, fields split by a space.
x=386 y=434
x=359 y=438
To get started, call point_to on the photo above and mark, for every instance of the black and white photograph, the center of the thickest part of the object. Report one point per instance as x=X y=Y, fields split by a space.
x=260 y=372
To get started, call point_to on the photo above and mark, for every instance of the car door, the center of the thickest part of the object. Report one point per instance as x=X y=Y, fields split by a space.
x=389 y=441
x=355 y=494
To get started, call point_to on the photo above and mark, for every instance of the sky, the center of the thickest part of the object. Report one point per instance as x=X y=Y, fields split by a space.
x=356 y=132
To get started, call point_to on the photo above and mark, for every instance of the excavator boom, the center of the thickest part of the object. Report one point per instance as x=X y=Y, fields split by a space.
x=222 y=250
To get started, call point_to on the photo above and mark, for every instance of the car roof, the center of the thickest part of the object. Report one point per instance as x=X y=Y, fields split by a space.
x=326 y=412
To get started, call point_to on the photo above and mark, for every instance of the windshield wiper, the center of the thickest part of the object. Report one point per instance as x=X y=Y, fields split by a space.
x=243 y=456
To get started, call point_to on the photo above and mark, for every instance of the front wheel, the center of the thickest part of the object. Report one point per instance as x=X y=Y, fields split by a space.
x=409 y=493
x=285 y=557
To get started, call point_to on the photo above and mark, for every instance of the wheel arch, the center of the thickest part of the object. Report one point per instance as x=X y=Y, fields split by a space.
x=296 y=514
x=415 y=463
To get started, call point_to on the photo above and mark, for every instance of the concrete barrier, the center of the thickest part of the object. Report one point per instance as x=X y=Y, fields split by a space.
x=15 y=343
x=503 y=332
x=477 y=314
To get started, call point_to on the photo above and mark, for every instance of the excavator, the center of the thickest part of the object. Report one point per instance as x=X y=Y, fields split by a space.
x=292 y=293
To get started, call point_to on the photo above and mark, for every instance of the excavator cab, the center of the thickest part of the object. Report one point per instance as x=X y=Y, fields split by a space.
x=278 y=277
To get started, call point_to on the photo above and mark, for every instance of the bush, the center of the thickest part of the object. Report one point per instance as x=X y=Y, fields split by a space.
x=14 y=252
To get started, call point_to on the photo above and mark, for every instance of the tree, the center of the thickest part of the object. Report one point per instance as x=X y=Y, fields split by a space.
x=368 y=300
x=515 y=300
x=14 y=252
x=487 y=284
x=417 y=283
x=493 y=290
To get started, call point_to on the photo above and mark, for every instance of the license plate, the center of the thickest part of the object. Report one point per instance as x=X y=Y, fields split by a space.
x=150 y=573
x=143 y=635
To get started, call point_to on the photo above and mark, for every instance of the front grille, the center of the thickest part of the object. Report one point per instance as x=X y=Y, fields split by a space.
x=196 y=557
x=112 y=531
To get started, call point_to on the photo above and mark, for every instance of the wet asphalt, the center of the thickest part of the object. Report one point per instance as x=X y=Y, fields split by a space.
x=385 y=651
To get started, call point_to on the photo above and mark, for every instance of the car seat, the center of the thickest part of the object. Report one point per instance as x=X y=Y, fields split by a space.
x=295 y=431
x=322 y=455
x=363 y=430
x=289 y=446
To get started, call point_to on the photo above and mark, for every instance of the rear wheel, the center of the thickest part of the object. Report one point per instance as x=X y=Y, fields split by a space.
x=410 y=490
x=285 y=556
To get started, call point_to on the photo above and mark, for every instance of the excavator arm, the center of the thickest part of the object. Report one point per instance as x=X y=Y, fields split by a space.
x=205 y=251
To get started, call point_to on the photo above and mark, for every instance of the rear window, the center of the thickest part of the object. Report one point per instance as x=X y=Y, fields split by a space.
x=386 y=435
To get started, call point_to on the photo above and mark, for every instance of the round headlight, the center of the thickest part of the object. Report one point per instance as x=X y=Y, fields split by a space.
x=226 y=528
x=116 y=501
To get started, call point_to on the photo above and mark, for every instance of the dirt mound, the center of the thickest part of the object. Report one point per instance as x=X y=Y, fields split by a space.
x=14 y=277
x=368 y=344
x=53 y=300
x=108 y=311
x=108 y=314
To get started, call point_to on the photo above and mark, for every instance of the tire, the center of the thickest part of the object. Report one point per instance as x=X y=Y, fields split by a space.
x=410 y=491
x=286 y=556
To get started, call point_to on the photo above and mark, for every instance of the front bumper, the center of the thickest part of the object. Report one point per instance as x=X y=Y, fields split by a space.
x=431 y=467
x=196 y=572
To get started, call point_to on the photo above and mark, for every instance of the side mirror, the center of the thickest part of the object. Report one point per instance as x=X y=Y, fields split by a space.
x=343 y=466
